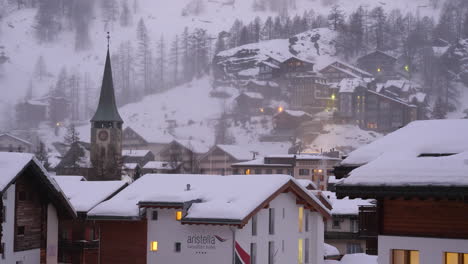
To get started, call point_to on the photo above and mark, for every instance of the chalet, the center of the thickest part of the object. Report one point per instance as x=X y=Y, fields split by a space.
x=10 y=143
x=269 y=70
x=218 y=160
x=314 y=167
x=378 y=63
x=79 y=238
x=132 y=170
x=417 y=174
x=33 y=204
x=186 y=152
x=290 y=119
x=338 y=70
x=373 y=109
x=268 y=89
x=203 y=219
x=165 y=167
x=342 y=230
x=249 y=103
x=142 y=139
x=141 y=157
x=309 y=92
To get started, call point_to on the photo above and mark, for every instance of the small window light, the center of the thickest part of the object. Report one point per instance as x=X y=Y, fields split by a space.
x=262 y=110
x=154 y=245
x=179 y=215
x=247 y=172
x=379 y=69
x=280 y=109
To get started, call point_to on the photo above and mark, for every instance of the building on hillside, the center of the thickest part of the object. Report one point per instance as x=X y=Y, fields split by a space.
x=33 y=204
x=380 y=64
x=164 y=167
x=106 y=132
x=269 y=69
x=30 y=113
x=132 y=170
x=248 y=104
x=375 y=107
x=203 y=219
x=79 y=238
x=309 y=91
x=10 y=143
x=426 y=191
x=185 y=152
x=268 y=89
x=290 y=119
x=342 y=230
x=137 y=156
x=134 y=138
x=314 y=167
x=338 y=70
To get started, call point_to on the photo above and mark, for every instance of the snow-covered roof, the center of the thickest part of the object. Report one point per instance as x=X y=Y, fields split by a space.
x=193 y=145
x=68 y=178
x=130 y=166
x=151 y=135
x=16 y=138
x=304 y=156
x=410 y=156
x=135 y=153
x=329 y=250
x=269 y=64
x=260 y=162
x=295 y=113
x=160 y=165
x=237 y=152
x=345 y=206
x=348 y=85
x=253 y=95
x=351 y=67
x=418 y=137
x=37 y=102
x=213 y=197
x=84 y=195
x=420 y=97
x=307 y=184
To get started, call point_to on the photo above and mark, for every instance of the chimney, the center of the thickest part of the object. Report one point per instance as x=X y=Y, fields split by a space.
x=188 y=187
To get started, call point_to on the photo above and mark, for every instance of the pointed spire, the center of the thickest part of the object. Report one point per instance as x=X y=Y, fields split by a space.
x=107 y=108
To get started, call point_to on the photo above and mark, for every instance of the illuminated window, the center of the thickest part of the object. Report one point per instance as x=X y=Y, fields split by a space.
x=247 y=172
x=300 y=257
x=456 y=258
x=179 y=215
x=379 y=69
x=154 y=246
x=280 y=109
x=301 y=218
x=400 y=256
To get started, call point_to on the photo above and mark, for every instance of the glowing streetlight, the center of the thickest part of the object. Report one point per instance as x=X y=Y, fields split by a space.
x=333 y=97
x=280 y=109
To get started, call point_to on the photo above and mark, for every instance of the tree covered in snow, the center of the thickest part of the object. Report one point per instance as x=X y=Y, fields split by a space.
x=336 y=17
x=42 y=155
x=145 y=58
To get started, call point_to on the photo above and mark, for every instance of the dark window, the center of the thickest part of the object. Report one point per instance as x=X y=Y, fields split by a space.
x=303 y=172
x=279 y=171
x=336 y=224
x=306 y=251
x=20 y=230
x=306 y=221
x=22 y=196
x=253 y=253
x=178 y=246
x=4 y=214
x=269 y=171
x=271 y=252
x=271 y=222
x=254 y=225
x=154 y=215
x=3 y=250
x=258 y=171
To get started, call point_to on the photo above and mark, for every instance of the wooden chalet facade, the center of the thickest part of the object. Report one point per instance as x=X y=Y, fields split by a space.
x=338 y=71
x=184 y=152
x=379 y=64
x=10 y=143
x=32 y=206
x=131 y=139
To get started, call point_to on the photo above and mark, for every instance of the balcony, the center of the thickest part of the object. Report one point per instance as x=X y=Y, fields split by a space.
x=341 y=235
x=78 y=244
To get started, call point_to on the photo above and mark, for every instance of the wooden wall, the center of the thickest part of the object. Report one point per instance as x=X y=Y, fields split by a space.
x=425 y=218
x=123 y=242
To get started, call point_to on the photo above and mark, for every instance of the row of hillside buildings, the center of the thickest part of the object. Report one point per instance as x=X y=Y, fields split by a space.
x=375 y=94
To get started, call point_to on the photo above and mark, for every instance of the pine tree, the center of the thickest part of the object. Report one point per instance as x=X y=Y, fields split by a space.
x=175 y=55
x=267 y=30
x=187 y=60
x=144 y=57
x=81 y=15
x=244 y=36
x=47 y=21
x=199 y=47
x=29 y=94
x=125 y=15
x=72 y=136
x=42 y=155
x=379 y=21
x=234 y=33
x=439 y=111
x=161 y=62
x=256 y=29
x=336 y=18
x=40 y=70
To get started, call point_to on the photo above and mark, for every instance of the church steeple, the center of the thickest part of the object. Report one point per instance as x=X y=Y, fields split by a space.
x=107 y=108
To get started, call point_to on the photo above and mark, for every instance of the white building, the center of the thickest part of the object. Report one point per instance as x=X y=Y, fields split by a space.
x=203 y=219
x=32 y=204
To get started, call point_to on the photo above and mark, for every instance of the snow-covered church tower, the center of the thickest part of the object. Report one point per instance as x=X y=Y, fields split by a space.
x=106 y=132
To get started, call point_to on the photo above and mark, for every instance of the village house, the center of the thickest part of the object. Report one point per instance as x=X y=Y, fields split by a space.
x=79 y=238
x=342 y=230
x=76 y=160
x=141 y=157
x=314 y=167
x=33 y=204
x=249 y=104
x=218 y=160
x=380 y=64
x=417 y=175
x=141 y=139
x=338 y=70
x=268 y=89
x=186 y=152
x=375 y=107
x=165 y=167
x=10 y=143
x=132 y=170
x=202 y=218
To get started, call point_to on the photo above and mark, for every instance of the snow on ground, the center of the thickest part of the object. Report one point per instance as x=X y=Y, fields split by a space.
x=359 y=258
x=342 y=137
x=330 y=250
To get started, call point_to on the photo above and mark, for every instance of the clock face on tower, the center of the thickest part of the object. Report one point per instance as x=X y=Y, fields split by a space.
x=103 y=135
